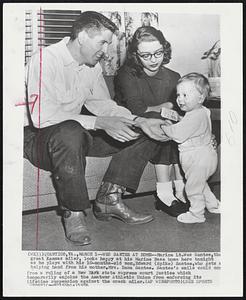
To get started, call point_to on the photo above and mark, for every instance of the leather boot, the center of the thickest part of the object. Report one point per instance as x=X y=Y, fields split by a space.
x=109 y=204
x=75 y=227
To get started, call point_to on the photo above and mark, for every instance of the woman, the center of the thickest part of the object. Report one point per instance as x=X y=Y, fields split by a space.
x=144 y=85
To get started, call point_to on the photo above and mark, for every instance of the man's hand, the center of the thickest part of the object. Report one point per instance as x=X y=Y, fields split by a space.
x=152 y=127
x=118 y=128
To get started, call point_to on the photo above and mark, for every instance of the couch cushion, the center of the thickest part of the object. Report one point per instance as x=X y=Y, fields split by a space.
x=95 y=170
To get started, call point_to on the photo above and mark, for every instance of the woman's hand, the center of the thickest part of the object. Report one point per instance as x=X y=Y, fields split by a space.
x=158 y=108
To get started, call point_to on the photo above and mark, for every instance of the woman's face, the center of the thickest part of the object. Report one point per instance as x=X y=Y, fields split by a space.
x=150 y=54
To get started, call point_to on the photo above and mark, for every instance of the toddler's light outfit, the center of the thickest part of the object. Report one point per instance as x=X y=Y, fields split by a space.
x=198 y=159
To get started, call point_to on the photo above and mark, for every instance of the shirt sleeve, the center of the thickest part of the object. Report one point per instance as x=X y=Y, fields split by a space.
x=47 y=109
x=99 y=101
x=192 y=124
x=127 y=92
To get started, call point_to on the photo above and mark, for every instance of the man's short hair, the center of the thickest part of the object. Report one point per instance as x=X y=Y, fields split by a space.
x=91 y=20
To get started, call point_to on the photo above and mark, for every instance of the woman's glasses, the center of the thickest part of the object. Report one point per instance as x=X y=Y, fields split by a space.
x=148 y=56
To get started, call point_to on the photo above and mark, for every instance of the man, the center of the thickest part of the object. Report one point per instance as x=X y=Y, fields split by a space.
x=67 y=76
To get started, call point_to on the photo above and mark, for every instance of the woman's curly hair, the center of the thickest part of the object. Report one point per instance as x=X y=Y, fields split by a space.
x=146 y=33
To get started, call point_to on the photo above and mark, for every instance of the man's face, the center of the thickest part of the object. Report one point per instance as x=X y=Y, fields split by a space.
x=94 y=45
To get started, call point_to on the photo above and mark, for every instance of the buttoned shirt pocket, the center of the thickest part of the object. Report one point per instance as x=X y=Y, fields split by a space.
x=71 y=96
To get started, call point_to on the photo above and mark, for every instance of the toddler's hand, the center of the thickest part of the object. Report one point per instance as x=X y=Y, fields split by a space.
x=167 y=123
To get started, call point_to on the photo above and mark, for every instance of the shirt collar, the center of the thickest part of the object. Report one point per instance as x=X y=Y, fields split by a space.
x=66 y=55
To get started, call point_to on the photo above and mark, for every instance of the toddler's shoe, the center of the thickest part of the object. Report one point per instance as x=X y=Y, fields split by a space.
x=176 y=208
x=189 y=218
x=214 y=210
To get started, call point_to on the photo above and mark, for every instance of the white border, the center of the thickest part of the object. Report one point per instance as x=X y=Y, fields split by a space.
x=231 y=241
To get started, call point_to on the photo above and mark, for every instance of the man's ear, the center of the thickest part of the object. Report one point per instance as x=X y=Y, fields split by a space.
x=82 y=37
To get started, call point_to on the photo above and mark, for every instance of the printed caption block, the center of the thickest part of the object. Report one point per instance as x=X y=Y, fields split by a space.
x=88 y=268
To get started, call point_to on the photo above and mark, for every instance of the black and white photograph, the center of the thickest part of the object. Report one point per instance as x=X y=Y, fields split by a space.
x=119 y=147
x=140 y=87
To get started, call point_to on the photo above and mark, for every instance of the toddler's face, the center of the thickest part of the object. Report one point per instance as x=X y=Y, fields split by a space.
x=188 y=97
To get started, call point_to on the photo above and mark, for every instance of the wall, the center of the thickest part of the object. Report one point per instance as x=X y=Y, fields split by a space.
x=190 y=36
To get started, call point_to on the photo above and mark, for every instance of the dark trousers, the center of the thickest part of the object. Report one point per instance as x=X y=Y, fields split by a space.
x=62 y=150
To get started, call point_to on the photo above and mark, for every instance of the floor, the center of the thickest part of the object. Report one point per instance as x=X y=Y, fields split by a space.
x=164 y=234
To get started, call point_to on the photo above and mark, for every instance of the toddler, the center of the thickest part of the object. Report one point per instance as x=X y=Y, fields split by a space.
x=198 y=158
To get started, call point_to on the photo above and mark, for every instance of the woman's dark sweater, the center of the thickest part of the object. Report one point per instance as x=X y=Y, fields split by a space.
x=137 y=93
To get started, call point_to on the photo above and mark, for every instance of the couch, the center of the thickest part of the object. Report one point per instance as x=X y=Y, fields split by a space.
x=45 y=196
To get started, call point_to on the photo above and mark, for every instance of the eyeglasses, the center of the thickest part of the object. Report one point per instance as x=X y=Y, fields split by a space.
x=148 y=56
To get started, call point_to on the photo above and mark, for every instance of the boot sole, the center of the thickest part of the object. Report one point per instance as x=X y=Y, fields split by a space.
x=77 y=243
x=109 y=217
